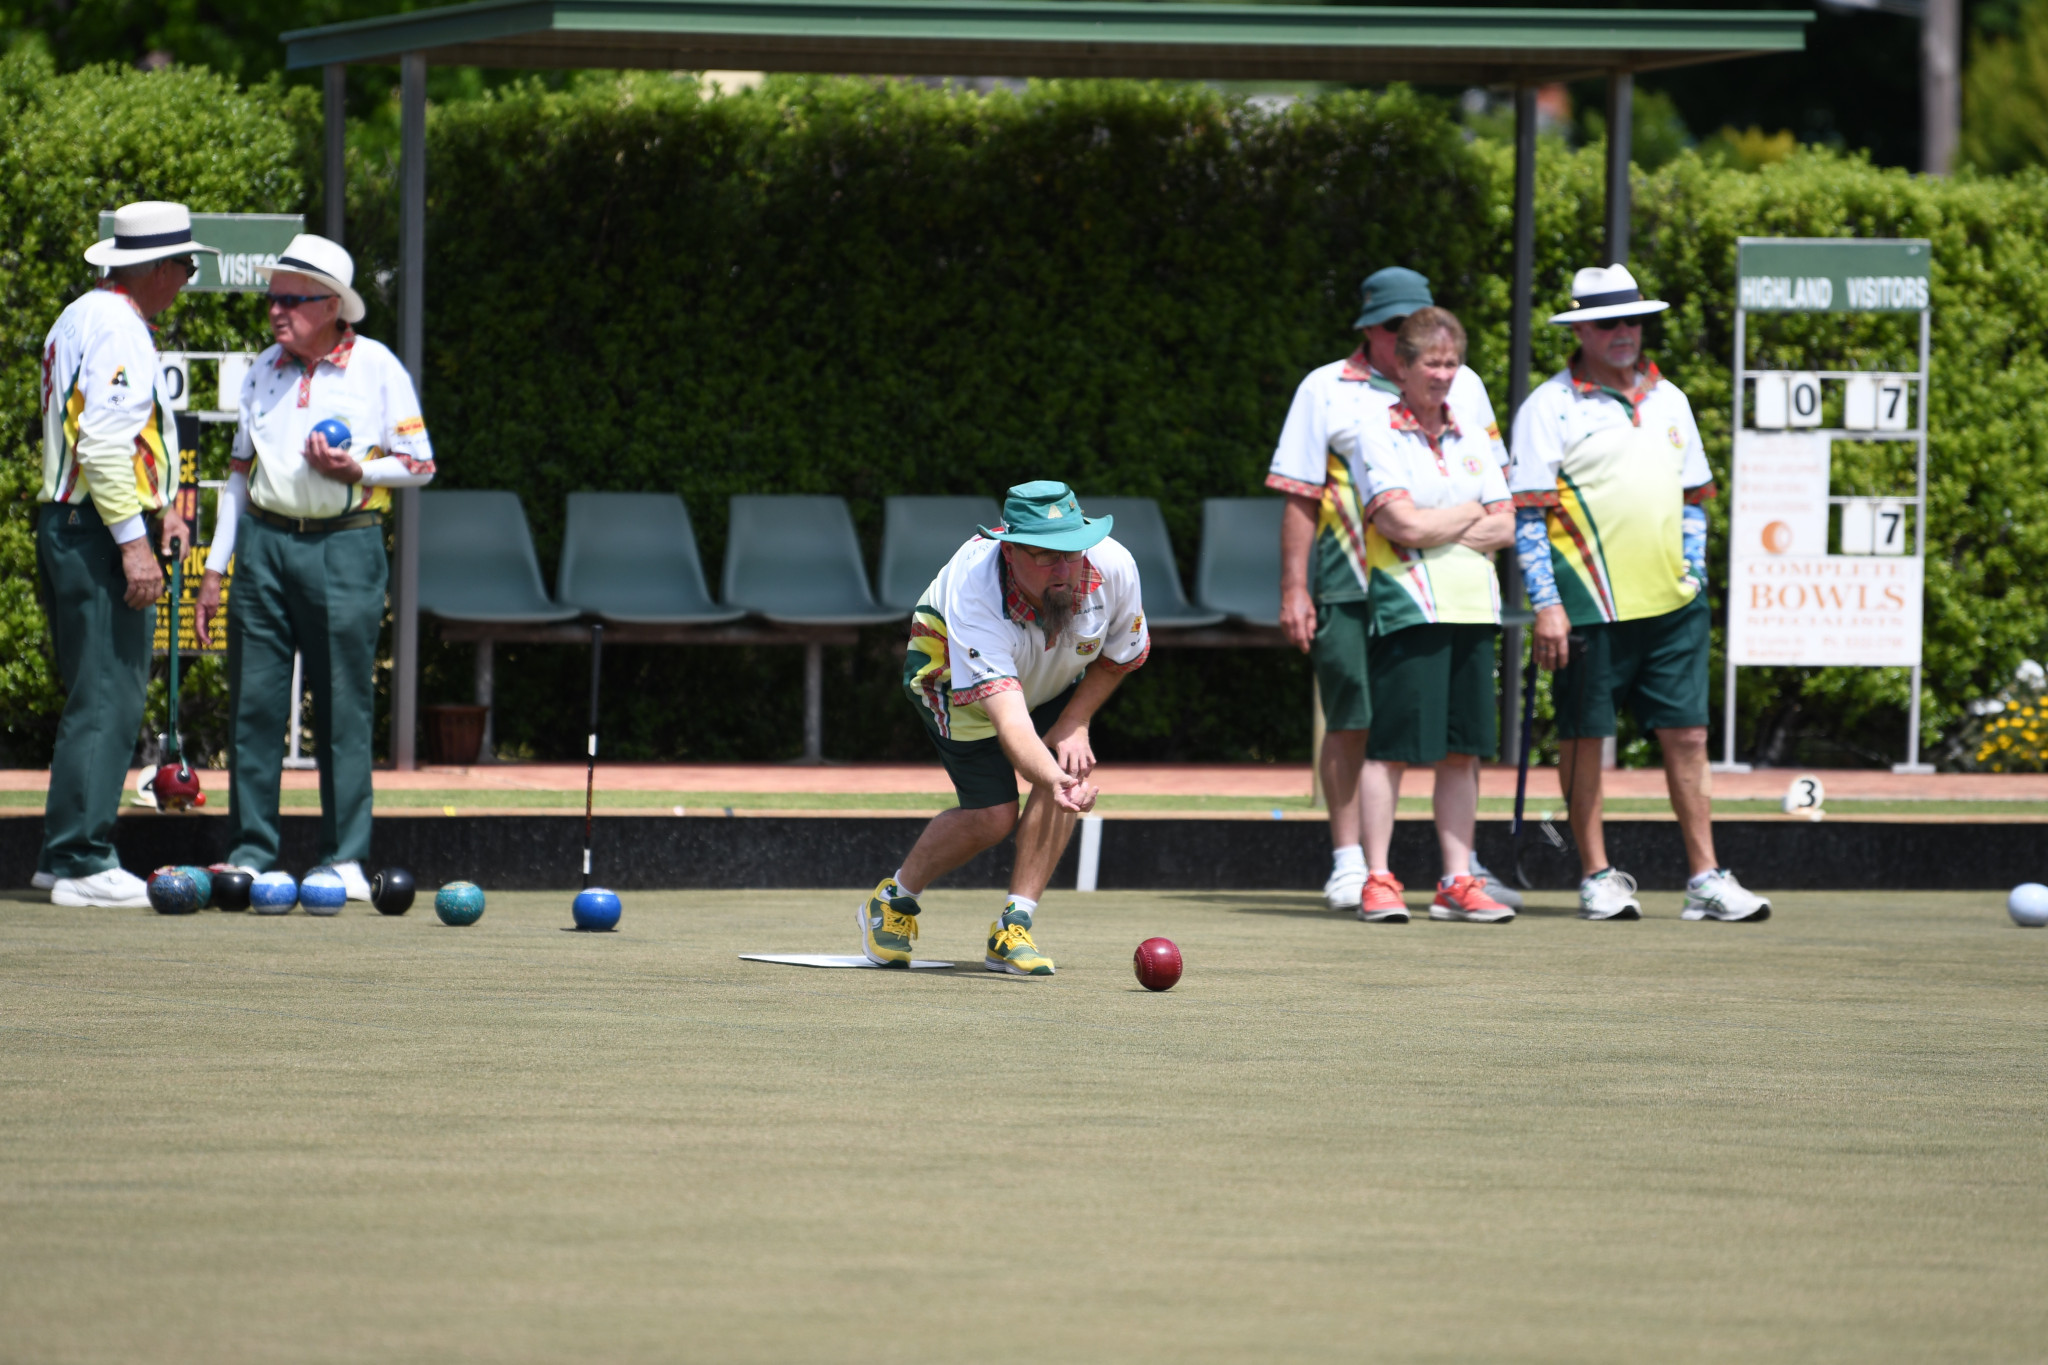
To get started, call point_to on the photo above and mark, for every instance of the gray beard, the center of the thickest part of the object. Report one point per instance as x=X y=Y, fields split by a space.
x=1055 y=615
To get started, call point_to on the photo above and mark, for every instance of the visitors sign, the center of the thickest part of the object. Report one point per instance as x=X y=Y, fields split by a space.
x=244 y=240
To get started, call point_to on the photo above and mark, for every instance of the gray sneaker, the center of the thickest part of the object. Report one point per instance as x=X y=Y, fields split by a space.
x=1495 y=887
x=1723 y=898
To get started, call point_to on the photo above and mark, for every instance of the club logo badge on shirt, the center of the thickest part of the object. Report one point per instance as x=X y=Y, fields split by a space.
x=1138 y=623
x=1472 y=465
x=1677 y=440
x=1086 y=647
x=120 y=379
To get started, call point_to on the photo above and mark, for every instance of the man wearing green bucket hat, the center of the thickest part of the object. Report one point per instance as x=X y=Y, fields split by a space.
x=1013 y=648
x=1323 y=570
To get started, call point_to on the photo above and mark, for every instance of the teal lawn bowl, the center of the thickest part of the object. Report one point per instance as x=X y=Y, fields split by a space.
x=459 y=903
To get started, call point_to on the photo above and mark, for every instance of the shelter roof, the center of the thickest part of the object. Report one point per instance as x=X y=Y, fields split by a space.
x=1425 y=44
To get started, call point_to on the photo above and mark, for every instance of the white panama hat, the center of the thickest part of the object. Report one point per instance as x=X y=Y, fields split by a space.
x=325 y=261
x=1607 y=292
x=151 y=230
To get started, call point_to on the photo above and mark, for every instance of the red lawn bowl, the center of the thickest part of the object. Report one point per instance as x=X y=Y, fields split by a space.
x=1157 y=963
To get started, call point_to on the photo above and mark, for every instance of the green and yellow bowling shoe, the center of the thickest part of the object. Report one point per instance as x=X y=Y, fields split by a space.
x=888 y=924
x=1011 y=950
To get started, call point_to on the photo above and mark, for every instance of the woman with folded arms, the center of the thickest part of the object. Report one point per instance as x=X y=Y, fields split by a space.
x=1437 y=508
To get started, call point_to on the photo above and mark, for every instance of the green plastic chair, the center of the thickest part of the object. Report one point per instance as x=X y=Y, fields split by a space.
x=795 y=560
x=631 y=559
x=477 y=561
x=1239 y=571
x=919 y=535
x=1141 y=529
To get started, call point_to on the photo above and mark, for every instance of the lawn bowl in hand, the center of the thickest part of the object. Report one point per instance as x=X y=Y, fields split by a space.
x=335 y=433
x=172 y=892
x=2028 y=905
x=323 y=892
x=273 y=893
x=596 y=909
x=459 y=903
x=202 y=879
x=391 y=891
x=230 y=887
x=1157 y=963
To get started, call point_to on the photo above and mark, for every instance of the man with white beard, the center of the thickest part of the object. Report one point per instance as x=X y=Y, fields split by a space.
x=1013 y=648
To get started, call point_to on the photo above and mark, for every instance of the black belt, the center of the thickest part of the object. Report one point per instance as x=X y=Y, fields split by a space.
x=317 y=525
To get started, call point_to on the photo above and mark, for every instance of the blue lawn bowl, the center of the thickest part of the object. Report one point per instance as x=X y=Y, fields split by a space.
x=273 y=893
x=172 y=892
x=459 y=903
x=596 y=910
x=202 y=879
x=323 y=892
x=336 y=434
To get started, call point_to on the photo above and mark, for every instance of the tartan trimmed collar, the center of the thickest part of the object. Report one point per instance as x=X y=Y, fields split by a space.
x=1018 y=607
x=1402 y=419
x=338 y=357
x=1647 y=378
x=1359 y=370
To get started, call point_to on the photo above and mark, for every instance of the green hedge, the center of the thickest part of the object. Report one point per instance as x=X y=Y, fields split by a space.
x=869 y=288
x=71 y=147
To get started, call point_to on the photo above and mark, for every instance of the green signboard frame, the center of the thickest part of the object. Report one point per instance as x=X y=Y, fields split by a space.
x=1832 y=275
x=244 y=240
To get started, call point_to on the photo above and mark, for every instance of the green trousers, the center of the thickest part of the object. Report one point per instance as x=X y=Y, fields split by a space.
x=103 y=652
x=320 y=594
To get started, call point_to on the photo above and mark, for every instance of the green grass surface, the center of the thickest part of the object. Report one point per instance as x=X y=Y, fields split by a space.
x=229 y=1138
x=708 y=803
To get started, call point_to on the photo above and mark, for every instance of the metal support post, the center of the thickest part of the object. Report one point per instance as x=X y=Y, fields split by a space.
x=1728 y=763
x=814 y=703
x=1621 y=87
x=293 y=758
x=485 y=686
x=334 y=110
x=1913 y=765
x=412 y=260
x=1520 y=330
x=1941 y=85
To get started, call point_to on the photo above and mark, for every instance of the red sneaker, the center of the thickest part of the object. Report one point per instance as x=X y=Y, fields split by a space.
x=1465 y=898
x=1382 y=903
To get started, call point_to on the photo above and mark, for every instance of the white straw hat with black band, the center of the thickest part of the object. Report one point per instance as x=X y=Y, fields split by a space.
x=1607 y=292
x=325 y=261
x=151 y=230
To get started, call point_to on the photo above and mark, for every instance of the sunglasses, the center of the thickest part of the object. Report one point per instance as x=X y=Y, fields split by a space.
x=1046 y=559
x=293 y=300
x=191 y=267
x=1609 y=324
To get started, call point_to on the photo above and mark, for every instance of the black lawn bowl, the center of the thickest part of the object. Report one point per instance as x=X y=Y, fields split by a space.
x=391 y=891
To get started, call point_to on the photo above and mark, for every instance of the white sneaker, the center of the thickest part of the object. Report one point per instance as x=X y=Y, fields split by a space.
x=114 y=889
x=1721 y=897
x=351 y=874
x=1344 y=888
x=1495 y=887
x=43 y=881
x=1609 y=895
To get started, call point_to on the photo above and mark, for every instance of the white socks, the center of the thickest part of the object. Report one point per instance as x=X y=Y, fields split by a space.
x=1348 y=858
x=903 y=887
x=1019 y=911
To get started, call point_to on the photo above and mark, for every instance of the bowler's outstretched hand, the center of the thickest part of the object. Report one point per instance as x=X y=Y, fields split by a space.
x=1071 y=749
x=1076 y=795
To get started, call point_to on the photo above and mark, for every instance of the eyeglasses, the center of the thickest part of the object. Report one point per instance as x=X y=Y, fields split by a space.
x=1609 y=324
x=191 y=267
x=1392 y=329
x=1048 y=559
x=293 y=300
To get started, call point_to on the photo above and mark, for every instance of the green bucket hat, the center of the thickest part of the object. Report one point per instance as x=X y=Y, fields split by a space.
x=1392 y=293
x=1046 y=514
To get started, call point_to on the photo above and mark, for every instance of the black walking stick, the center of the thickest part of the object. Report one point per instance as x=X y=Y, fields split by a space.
x=1522 y=769
x=590 y=764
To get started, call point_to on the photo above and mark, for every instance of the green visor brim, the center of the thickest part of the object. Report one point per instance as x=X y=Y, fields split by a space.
x=1091 y=531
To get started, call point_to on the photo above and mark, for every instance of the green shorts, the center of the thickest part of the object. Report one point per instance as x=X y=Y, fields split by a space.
x=1658 y=665
x=1339 y=658
x=981 y=771
x=1434 y=694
